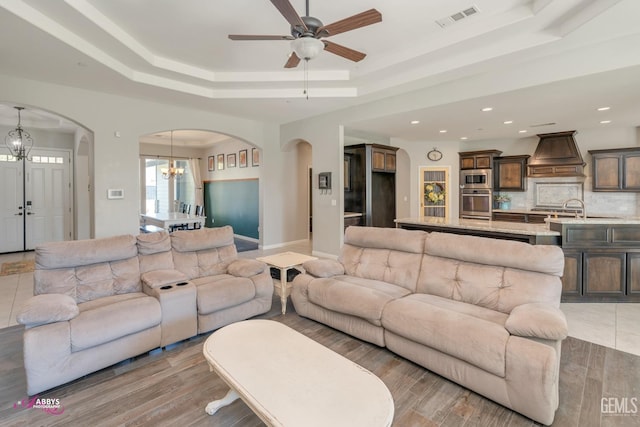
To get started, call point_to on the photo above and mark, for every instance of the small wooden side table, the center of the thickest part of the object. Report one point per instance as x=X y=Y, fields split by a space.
x=284 y=261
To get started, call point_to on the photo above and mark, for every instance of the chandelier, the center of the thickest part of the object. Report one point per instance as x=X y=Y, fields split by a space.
x=18 y=141
x=172 y=171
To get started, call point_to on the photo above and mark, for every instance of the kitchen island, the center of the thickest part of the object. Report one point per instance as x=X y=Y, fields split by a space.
x=535 y=234
x=601 y=259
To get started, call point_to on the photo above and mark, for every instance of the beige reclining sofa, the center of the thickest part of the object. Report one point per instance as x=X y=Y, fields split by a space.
x=101 y=301
x=482 y=312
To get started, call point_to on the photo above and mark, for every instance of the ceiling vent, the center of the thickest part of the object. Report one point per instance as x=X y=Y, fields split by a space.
x=458 y=16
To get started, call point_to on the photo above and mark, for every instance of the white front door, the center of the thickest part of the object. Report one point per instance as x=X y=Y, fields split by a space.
x=40 y=209
x=11 y=209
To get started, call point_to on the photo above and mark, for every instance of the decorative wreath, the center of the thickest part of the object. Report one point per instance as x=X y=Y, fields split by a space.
x=434 y=193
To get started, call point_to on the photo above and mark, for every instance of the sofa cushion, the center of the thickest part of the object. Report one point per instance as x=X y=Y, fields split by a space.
x=153 y=243
x=205 y=262
x=493 y=287
x=222 y=291
x=42 y=309
x=452 y=328
x=546 y=259
x=204 y=238
x=397 y=268
x=364 y=298
x=73 y=253
x=123 y=315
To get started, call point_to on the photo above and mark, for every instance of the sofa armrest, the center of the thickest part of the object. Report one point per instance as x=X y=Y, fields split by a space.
x=323 y=268
x=537 y=321
x=158 y=278
x=246 y=267
x=47 y=308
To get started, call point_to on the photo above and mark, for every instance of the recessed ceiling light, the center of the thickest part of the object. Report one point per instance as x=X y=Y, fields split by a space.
x=522 y=131
x=415 y=122
x=605 y=122
x=443 y=131
x=487 y=109
x=604 y=108
x=508 y=122
x=464 y=138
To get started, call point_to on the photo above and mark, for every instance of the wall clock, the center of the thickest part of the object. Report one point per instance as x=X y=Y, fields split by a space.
x=434 y=155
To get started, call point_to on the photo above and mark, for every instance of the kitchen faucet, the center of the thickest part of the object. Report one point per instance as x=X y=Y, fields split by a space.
x=584 y=210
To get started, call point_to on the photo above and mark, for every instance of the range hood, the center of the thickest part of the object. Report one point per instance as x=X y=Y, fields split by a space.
x=556 y=155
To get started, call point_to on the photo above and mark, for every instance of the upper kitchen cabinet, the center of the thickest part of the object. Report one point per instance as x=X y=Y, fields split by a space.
x=510 y=173
x=556 y=155
x=383 y=159
x=616 y=169
x=478 y=159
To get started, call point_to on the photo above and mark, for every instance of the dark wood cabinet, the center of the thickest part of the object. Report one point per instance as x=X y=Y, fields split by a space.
x=478 y=159
x=383 y=160
x=604 y=273
x=616 y=169
x=510 y=173
x=602 y=262
x=528 y=217
x=633 y=273
x=372 y=184
x=572 y=277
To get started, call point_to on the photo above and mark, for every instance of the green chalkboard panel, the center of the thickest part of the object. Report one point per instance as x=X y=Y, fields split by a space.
x=234 y=203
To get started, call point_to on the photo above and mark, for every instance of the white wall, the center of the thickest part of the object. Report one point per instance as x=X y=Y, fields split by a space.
x=116 y=163
x=232 y=146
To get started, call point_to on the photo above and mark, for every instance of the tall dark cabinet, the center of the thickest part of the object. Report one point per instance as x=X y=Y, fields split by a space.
x=370 y=183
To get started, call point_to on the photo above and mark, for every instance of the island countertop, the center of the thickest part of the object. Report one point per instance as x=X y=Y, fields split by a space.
x=532 y=233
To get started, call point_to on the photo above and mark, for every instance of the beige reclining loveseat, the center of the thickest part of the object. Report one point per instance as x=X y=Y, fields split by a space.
x=481 y=312
x=101 y=301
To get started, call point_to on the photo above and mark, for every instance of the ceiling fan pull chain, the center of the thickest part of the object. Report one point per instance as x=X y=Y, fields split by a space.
x=306 y=78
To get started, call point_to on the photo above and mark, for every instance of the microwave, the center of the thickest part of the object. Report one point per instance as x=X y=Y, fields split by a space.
x=476 y=178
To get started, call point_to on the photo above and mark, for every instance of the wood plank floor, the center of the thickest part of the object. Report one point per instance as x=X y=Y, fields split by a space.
x=172 y=387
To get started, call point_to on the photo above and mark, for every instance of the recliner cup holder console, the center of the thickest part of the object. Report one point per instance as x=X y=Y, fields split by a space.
x=166 y=287
x=182 y=284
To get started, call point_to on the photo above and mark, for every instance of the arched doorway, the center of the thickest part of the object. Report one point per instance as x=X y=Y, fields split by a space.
x=40 y=193
x=225 y=169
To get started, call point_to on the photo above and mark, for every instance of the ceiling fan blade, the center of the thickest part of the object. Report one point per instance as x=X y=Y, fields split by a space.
x=289 y=13
x=258 y=37
x=360 y=20
x=345 y=52
x=293 y=61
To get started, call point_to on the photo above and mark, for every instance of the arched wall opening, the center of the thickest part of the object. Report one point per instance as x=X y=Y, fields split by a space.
x=298 y=188
x=228 y=176
x=52 y=188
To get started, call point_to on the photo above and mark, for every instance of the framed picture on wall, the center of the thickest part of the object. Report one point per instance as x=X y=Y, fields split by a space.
x=255 y=157
x=220 y=162
x=242 y=158
x=210 y=163
x=231 y=160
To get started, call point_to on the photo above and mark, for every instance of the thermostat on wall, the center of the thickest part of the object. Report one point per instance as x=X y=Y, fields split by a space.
x=115 y=193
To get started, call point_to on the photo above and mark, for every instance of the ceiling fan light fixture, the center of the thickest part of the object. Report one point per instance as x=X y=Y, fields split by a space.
x=307 y=47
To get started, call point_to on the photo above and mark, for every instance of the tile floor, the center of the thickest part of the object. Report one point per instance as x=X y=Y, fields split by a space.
x=611 y=325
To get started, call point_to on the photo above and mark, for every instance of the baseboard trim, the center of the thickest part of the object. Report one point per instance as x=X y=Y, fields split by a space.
x=324 y=255
x=280 y=245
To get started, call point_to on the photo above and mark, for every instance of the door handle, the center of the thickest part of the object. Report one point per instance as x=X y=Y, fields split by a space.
x=18 y=214
x=30 y=213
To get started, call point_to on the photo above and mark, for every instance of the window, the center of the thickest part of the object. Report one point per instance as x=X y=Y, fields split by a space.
x=165 y=195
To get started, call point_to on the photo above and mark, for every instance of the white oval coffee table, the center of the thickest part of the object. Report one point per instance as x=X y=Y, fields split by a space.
x=288 y=379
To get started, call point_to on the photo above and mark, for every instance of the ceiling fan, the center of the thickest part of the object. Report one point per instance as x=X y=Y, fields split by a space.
x=306 y=32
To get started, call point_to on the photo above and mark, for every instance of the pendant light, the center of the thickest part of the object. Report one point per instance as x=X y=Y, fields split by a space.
x=172 y=171
x=18 y=141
